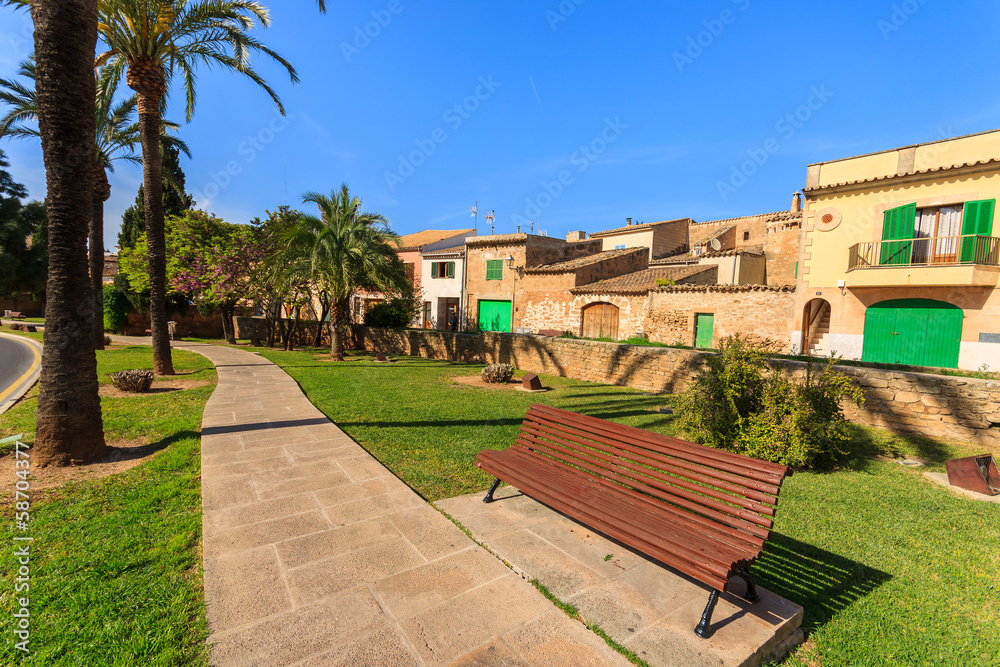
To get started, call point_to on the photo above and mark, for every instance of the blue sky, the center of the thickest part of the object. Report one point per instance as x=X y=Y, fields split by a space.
x=584 y=112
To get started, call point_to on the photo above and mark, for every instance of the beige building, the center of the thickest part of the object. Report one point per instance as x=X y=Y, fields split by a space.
x=899 y=258
x=665 y=238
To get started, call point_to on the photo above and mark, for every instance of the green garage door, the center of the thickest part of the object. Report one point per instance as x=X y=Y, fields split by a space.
x=917 y=332
x=494 y=316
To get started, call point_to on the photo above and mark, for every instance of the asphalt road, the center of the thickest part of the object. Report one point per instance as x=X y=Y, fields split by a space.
x=16 y=358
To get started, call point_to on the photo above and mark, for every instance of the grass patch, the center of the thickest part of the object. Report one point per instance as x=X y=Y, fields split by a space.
x=116 y=562
x=890 y=568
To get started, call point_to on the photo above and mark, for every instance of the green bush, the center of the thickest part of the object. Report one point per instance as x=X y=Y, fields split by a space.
x=394 y=313
x=116 y=309
x=737 y=402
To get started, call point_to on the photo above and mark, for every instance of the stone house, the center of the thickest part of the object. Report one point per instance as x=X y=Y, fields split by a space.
x=668 y=237
x=442 y=280
x=494 y=266
x=899 y=261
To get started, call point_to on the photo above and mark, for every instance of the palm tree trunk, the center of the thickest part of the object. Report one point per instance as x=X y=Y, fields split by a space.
x=152 y=180
x=102 y=192
x=68 y=425
x=337 y=314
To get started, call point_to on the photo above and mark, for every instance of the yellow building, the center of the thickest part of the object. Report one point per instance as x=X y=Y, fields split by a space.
x=898 y=259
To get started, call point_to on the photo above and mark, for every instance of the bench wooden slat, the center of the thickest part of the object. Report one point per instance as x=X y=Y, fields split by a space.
x=570 y=498
x=690 y=501
x=729 y=494
x=766 y=493
x=732 y=463
x=691 y=507
x=684 y=522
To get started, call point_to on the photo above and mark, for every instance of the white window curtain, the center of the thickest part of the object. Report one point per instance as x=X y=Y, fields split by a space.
x=949 y=227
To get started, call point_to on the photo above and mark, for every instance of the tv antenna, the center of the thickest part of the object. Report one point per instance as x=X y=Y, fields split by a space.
x=491 y=217
x=474 y=210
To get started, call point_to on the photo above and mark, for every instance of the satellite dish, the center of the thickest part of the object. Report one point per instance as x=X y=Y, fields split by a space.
x=715 y=244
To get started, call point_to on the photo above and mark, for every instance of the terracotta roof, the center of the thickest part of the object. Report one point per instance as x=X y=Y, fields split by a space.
x=641 y=282
x=776 y=215
x=726 y=288
x=633 y=228
x=712 y=232
x=982 y=165
x=453 y=250
x=572 y=264
x=688 y=257
x=428 y=236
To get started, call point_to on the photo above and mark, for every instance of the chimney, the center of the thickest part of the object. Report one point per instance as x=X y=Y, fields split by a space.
x=796 y=202
x=576 y=236
x=628 y=222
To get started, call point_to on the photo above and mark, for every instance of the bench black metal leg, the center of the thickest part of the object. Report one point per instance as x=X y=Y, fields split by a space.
x=751 y=595
x=489 y=494
x=706 y=616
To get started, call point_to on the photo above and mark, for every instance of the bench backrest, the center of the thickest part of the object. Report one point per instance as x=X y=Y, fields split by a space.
x=700 y=486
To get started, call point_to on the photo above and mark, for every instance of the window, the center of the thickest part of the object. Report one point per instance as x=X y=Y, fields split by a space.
x=935 y=235
x=409 y=272
x=427 y=314
x=620 y=246
x=494 y=269
x=746 y=236
x=442 y=269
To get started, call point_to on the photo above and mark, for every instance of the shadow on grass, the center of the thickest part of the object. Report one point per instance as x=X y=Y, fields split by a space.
x=868 y=444
x=131 y=453
x=263 y=426
x=823 y=583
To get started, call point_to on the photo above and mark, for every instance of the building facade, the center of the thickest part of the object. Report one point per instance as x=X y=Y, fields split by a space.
x=898 y=258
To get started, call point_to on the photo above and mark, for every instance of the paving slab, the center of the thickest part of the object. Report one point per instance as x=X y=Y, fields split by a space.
x=644 y=606
x=316 y=554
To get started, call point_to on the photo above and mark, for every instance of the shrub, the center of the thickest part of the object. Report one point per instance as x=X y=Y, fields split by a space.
x=107 y=340
x=135 y=380
x=497 y=373
x=14 y=326
x=737 y=402
x=116 y=309
x=394 y=313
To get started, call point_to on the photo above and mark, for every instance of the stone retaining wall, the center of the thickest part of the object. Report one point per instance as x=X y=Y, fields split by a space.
x=934 y=405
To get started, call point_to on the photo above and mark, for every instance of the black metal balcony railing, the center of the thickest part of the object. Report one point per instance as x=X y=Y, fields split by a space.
x=930 y=251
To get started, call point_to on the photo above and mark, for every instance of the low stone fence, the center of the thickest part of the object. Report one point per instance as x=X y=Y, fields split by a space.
x=934 y=405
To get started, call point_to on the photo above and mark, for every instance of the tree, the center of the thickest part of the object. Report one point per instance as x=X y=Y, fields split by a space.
x=343 y=250
x=68 y=424
x=175 y=199
x=148 y=41
x=23 y=250
x=117 y=135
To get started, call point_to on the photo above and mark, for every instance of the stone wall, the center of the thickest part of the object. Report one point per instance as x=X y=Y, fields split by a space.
x=24 y=305
x=932 y=405
x=764 y=311
x=191 y=323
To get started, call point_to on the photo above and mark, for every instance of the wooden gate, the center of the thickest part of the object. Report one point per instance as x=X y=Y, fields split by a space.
x=600 y=320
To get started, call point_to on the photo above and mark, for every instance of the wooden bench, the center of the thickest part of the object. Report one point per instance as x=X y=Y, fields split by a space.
x=698 y=510
x=553 y=333
x=16 y=315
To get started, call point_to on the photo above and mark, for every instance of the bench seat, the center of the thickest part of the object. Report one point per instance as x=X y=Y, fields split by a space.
x=701 y=511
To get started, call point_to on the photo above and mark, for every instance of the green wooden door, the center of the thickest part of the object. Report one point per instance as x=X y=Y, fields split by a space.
x=703 y=325
x=916 y=332
x=977 y=219
x=897 y=227
x=494 y=316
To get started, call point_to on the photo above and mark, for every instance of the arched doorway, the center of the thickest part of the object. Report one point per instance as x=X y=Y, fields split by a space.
x=600 y=320
x=816 y=328
x=915 y=332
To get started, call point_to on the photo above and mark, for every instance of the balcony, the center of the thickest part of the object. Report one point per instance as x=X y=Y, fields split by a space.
x=941 y=261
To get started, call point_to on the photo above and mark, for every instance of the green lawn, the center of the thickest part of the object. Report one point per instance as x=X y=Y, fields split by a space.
x=891 y=570
x=116 y=566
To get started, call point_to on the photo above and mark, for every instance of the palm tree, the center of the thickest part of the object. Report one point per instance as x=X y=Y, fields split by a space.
x=149 y=41
x=68 y=423
x=342 y=251
x=117 y=136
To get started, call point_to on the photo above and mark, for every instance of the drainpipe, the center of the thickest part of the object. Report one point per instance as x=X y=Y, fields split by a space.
x=461 y=292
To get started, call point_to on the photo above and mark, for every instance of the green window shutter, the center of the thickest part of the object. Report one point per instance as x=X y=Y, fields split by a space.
x=494 y=269
x=451 y=269
x=434 y=270
x=977 y=220
x=897 y=226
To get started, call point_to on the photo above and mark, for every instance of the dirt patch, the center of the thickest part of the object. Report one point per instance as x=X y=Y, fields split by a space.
x=121 y=455
x=326 y=357
x=477 y=381
x=160 y=386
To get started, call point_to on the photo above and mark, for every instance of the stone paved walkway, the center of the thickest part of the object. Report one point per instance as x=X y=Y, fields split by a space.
x=315 y=554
